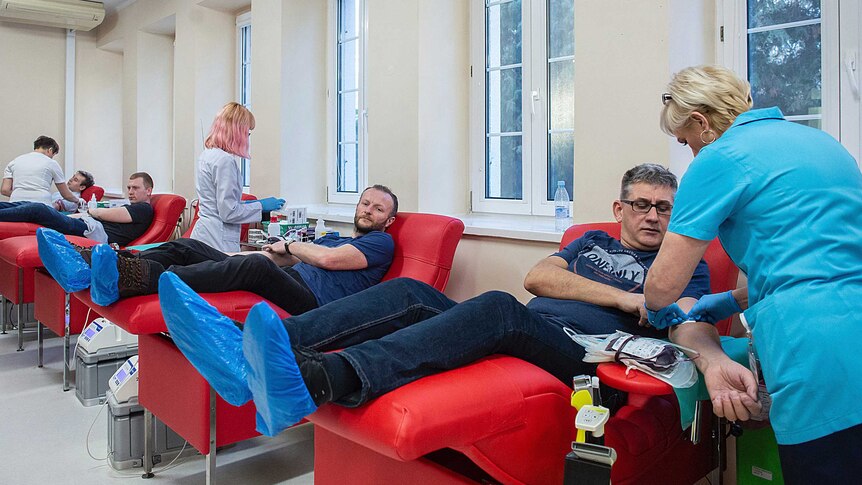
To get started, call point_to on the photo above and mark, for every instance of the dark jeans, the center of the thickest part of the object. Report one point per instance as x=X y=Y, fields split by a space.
x=208 y=270
x=835 y=458
x=401 y=330
x=43 y=215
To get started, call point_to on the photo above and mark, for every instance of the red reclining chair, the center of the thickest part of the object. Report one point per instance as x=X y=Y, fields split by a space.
x=19 y=259
x=502 y=420
x=12 y=229
x=172 y=389
x=195 y=209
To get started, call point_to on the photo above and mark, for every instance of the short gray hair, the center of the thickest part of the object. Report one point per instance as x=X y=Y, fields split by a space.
x=648 y=173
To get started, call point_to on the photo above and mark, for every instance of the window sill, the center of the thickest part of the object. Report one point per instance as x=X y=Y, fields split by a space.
x=509 y=226
x=332 y=212
x=506 y=226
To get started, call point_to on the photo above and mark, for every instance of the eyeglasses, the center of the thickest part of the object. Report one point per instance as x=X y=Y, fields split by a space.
x=643 y=206
x=665 y=98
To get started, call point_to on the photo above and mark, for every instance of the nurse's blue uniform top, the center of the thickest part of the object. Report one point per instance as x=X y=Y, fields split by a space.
x=786 y=202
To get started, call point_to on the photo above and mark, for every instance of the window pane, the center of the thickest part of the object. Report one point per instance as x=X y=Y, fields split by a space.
x=503 y=29
x=503 y=167
x=349 y=72
x=812 y=123
x=561 y=162
x=503 y=101
x=561 y=85
x=784 y=68
x=348 y=21
x=349 y=117
x=561 y=28
x=348 y=170
x=763 y=13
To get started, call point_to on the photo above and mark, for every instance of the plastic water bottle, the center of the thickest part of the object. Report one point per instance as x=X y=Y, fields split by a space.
x=273 y=230
x=561 y=207
x=320 y=228
x=92 y=204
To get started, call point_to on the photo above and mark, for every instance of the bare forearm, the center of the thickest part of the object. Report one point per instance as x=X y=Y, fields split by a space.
x=551 y=281
x=701 y=337
x=66 y=193
x=741 y=297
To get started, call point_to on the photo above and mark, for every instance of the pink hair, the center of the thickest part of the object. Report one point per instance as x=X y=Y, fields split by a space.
x=230 y=130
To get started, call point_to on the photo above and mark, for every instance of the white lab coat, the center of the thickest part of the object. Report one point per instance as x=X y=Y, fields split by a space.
x=222 y=212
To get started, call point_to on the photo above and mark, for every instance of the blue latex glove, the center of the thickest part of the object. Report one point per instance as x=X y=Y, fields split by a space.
x=666 y=317
x=714 y=307
x=270 y=204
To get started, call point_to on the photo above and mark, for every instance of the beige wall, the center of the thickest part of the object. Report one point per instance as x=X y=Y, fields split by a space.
x=98 y=112
x=417 y=85
x=32 y=88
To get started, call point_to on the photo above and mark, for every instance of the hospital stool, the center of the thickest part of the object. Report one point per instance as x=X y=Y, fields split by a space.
x=501 y=419
x=425 y=247
x=49 y=308
x=194 y=207
x=19 y=257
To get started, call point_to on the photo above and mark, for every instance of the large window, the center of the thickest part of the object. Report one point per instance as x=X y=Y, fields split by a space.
x=243 y=95
x=799 y=55
x=523 y=104
x=348 y=170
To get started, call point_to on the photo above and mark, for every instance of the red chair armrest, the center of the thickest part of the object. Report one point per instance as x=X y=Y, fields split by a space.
x=636 y=382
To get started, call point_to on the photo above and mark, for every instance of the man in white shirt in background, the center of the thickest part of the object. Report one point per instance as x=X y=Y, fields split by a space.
x=29 y=177
x=79 y=182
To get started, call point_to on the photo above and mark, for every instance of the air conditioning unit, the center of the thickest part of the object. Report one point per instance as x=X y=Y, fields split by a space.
x=67 y=14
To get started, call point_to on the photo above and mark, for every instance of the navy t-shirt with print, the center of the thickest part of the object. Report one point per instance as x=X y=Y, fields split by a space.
x=378 y=248
x=599 y=257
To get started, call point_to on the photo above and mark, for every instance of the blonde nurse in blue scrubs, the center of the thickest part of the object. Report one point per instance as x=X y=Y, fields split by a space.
x=786 y=202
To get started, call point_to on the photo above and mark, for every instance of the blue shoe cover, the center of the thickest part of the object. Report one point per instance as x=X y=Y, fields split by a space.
x=103 y=285
x=280 y=395
x=210 y=340
x=61 y=260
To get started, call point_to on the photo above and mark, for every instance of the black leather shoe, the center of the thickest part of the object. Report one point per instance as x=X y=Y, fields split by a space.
x=314 y=374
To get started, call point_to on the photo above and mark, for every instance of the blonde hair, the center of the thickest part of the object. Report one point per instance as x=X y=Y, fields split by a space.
x=714 y=91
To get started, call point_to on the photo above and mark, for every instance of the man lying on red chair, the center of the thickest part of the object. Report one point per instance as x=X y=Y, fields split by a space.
x=402 y=330
x=119 y=225
x=296 y=276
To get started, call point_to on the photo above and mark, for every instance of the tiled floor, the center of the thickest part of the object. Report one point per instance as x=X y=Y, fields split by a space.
x=44 y=434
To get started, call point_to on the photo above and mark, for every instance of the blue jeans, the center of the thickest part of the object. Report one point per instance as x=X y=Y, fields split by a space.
x=401 y=330
x=37 y=213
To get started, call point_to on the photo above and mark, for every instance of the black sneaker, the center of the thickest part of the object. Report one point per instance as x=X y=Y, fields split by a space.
x=314 y=374
x=137 y=276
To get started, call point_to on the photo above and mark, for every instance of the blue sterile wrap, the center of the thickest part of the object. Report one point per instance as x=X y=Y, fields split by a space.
x=210 y=340
x=61 y=260
x=103 y=287
x=280 y=394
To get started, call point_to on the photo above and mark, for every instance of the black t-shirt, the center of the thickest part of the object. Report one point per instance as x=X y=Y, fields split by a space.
x=123 y=233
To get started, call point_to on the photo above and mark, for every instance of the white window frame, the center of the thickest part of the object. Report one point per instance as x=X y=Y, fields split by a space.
x=333 y=195
x=535 y=129
x=840 y=45
x=243 y=21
